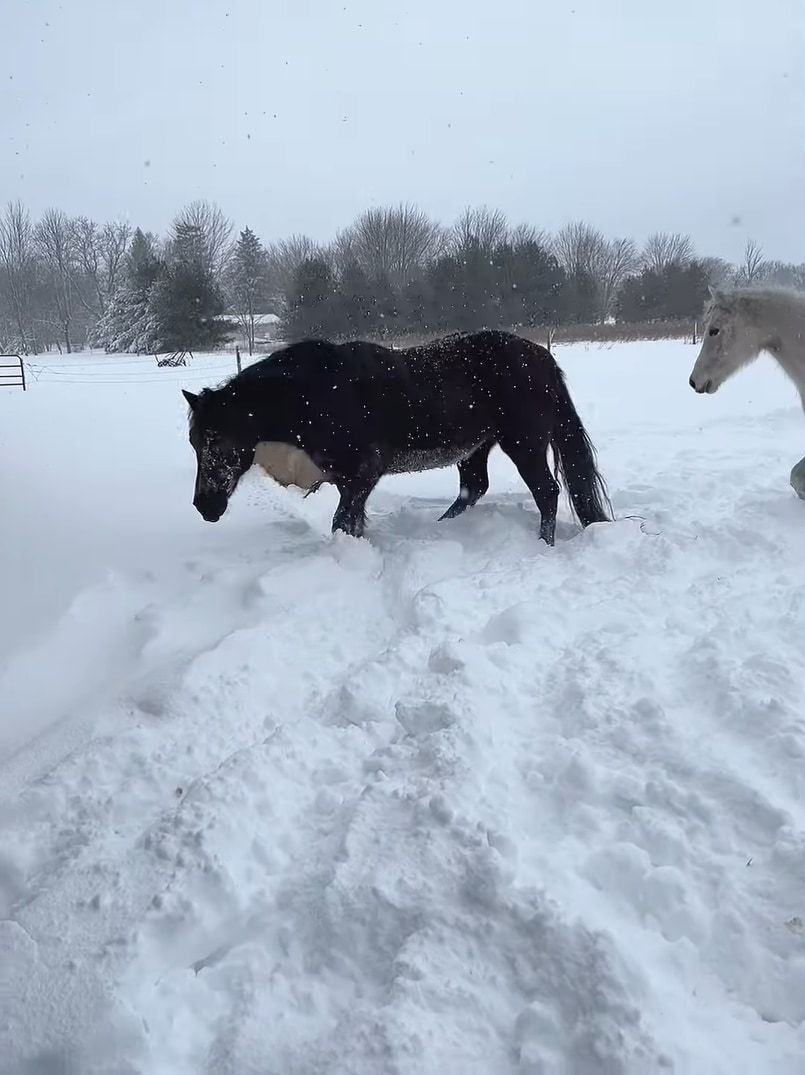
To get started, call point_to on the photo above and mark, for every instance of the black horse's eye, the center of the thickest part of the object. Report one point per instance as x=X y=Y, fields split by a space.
x=714 y=332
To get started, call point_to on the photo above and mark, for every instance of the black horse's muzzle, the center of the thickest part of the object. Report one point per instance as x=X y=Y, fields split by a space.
x=210 y=506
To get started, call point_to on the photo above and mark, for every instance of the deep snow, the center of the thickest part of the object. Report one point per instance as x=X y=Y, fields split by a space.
x=441 y=800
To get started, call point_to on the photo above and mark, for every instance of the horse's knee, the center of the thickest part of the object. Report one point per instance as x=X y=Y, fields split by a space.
x=798 y=479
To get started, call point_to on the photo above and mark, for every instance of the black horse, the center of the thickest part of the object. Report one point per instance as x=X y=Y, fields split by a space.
x=360 y=410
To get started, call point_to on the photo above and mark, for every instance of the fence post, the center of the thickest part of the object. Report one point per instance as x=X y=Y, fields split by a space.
x=237 y=357
x=22 y=373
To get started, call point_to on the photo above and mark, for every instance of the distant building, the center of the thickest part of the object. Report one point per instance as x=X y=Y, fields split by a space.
x=266 y=327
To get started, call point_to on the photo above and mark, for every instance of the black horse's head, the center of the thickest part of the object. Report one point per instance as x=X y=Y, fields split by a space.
x=224 y=450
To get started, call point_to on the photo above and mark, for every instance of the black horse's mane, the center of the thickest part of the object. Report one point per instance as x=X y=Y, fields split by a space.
x=309 y=359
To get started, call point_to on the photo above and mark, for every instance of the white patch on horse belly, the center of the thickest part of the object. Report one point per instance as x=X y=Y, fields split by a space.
x=288 y=465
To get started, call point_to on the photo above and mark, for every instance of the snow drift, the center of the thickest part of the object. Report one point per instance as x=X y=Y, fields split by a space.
x=439 y=800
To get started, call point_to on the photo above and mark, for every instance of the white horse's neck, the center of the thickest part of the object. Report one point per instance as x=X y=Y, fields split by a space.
x=785 y=338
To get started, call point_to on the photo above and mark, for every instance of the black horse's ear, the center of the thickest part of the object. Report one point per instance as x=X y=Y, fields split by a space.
x=190 y=397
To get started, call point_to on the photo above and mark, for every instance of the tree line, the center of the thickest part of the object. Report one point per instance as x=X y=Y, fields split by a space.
x=69 y=283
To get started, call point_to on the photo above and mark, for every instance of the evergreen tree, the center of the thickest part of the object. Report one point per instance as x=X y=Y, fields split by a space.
x=531 y=282
x=445 y=293
x=640 y=297
x=142 y=262
x=686 y=289
x=248 y=281
x=128 y=323
x=385 y=308
x=186 y=303
x=355 y=301
x=417 y=305
x=580 y=298
x=312 y=304
x=671 y=292
x=477 y=305
x=188 y=245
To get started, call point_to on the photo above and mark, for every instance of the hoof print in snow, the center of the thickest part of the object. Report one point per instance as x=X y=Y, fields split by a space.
x=327 y=802
x=445 y=659
x=424 y=718
x=440 y=810
x=150 y=704
x=537 y=1031
x=349 y=708
x=329 y=774
x=505 y=847
x=509 y=626
x=427 y=609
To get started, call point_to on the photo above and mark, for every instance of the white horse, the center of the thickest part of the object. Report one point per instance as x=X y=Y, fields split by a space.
x=739 y=325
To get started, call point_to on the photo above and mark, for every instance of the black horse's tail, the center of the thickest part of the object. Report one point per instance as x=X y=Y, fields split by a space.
x=575 y=456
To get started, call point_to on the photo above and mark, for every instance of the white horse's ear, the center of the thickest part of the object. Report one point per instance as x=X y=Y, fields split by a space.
x=190 y=397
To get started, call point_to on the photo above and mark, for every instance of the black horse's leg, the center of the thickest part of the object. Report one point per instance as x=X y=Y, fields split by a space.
x=350 y=515
x=473 y=478
x=530 y=458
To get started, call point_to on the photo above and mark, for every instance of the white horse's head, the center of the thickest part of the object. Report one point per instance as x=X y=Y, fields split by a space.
x=731 y=339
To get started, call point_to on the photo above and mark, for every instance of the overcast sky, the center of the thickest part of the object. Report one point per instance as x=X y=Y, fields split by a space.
x=635 y=114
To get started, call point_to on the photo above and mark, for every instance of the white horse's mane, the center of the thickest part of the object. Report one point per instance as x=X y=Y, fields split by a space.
x=758 y=301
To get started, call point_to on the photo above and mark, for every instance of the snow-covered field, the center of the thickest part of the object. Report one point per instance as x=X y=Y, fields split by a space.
x=442 y=800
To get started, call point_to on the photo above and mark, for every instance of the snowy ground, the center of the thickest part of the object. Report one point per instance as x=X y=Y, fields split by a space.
x=443 y=800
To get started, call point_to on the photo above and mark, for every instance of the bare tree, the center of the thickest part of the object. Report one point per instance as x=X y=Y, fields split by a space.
x=614 y=262
x=18 y=264
x=521 y=234
x=719 y=271
x=798 y=276
x=54 y=242
x=214 y=229
x=784 y=274
x=664 y=248
x=579 y=248
x=285 y=257
x=754 y=266
x=86 y=264
x=98 y=254
x=582 y=250
x=115 y=238
x=343 y=250
x=417 y=240
x=394 y=242
x=480 y=228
